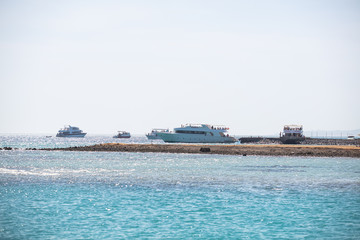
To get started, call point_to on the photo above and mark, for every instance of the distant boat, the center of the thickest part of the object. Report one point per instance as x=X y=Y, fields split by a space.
x=154 y=133
x=292 y=134
x=198 y=133
x=122 y=134
x=70 y=131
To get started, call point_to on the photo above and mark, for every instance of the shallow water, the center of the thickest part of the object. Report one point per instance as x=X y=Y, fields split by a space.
x=97 y=195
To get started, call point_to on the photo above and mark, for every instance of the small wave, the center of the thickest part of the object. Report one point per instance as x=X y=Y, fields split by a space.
x=27 y=172
x=64 y=172
x=273 y=168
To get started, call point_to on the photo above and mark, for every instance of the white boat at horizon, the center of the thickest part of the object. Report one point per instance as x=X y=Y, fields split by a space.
x=292 y=134
x=122 y=134
x=198 y=133
x=154 y=133
x=70 y=131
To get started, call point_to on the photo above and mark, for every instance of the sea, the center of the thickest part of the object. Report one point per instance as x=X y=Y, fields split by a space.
x=116 y=195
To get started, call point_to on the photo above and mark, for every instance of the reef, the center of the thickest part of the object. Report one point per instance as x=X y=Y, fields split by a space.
x=226 y=149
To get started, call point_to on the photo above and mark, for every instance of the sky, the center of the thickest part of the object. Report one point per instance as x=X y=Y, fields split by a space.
x=105 y=66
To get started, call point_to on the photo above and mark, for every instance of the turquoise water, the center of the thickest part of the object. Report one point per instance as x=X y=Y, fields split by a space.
x=89 y=195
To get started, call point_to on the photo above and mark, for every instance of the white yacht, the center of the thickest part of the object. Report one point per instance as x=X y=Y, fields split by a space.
x=122 y=134
x=154 y=133
x=70 y=131
x=292 y=134
x=198 y=133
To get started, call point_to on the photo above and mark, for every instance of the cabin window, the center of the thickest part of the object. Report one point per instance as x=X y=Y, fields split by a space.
x=190 y=132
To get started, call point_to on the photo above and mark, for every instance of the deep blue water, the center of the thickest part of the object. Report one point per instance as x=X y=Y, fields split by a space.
x=90 y=195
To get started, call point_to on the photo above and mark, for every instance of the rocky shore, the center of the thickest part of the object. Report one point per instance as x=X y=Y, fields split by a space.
x=244 y=149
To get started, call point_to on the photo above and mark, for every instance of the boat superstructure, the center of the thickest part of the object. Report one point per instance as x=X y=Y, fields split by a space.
x=198 y=133
x=154 y=133
x=292 y=134
x=122 y=134
x=70 y=131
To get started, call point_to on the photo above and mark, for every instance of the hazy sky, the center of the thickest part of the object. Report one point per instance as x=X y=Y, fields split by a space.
x=135 y=65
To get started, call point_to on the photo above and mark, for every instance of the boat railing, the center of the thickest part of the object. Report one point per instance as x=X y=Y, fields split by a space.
x=214 y=127
x=193 y=125
x=123 y=132
x=160 y=130
x=293 y=127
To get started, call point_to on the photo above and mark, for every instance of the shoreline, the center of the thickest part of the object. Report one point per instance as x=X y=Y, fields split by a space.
x=244 y=150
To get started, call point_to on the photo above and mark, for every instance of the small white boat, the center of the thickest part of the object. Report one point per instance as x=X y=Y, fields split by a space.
x=154 y=133
x=198 y=133
x=122 y=134
x=70 y=131
x=292 y=134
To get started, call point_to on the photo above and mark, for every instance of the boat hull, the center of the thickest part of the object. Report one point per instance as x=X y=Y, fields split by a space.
x=121 y=136
x=79 y=135
x=153 y=136
x=195 y=138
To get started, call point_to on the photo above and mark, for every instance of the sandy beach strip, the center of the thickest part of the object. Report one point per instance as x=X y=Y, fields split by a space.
x=267 y=150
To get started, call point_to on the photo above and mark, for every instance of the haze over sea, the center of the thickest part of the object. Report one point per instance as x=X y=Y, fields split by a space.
x=107 y=195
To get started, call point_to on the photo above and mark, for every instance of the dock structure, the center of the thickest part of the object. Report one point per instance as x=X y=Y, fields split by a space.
x=306 y=141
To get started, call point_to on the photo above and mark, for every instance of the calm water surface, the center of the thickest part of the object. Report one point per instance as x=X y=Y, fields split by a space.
x=89 y=195
x=50 y=141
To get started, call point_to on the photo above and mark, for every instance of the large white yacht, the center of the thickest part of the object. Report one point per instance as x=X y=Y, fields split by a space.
x=198 y=133
x=70 y=131
x=154 y=133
